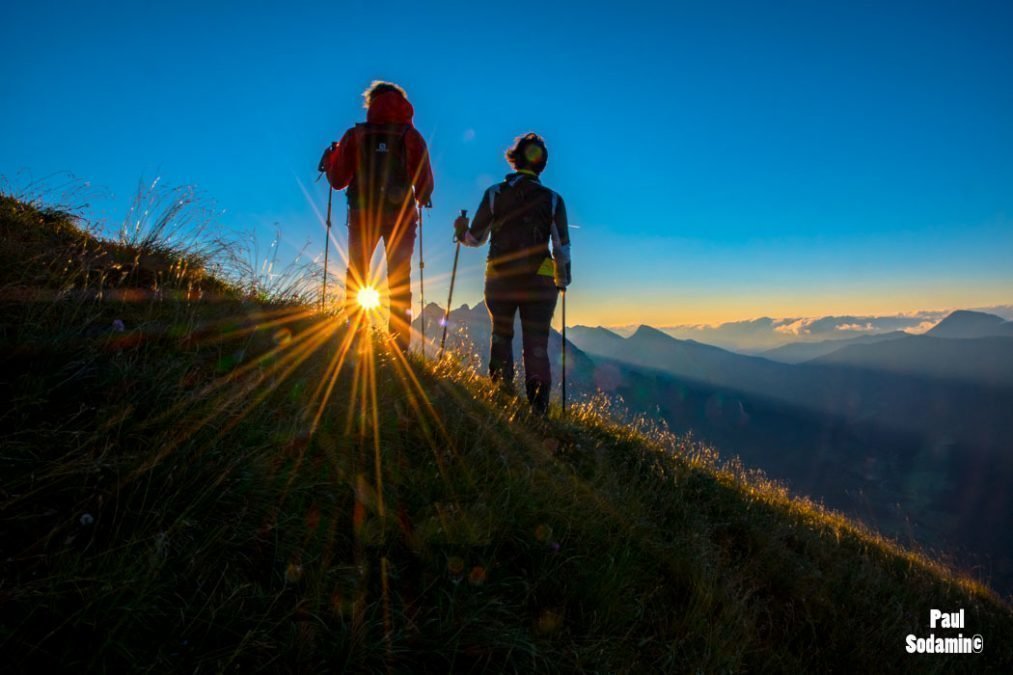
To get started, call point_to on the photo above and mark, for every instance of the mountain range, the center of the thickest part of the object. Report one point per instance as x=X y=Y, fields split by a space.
x=755 y=336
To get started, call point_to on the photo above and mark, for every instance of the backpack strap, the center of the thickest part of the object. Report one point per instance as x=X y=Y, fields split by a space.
x=493 y=191
x=404 y=158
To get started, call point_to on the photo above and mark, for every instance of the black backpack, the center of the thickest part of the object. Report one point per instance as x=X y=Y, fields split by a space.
x=522 y=221
x=381 y=181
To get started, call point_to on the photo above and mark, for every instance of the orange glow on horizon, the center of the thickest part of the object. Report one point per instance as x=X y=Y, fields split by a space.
x=678 y=309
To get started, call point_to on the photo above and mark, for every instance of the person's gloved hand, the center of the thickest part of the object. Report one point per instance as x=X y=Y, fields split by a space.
x=561 y=275
x=460 y=227
x=328 y=151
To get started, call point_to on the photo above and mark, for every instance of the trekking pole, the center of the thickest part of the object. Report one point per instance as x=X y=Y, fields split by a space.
x=563 y=382
x=450 y=296
x=327 y=248
x=422 y=285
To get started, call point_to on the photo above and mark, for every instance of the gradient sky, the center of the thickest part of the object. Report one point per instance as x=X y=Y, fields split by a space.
x=721 y=160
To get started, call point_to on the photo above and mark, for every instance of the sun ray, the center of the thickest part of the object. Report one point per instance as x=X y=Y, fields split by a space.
x=312 y=339
x=401 y=361
x=292 y=316
x=295 y=361
x=237 y=373
x=330 y=378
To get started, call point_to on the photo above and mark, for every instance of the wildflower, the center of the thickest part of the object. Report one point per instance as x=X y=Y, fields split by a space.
x=293 y=573
x=477 y=575
x=87 y=519
x=549 y=621
x=118 y=326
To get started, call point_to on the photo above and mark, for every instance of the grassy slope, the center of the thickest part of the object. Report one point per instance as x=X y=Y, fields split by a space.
x=228 y=531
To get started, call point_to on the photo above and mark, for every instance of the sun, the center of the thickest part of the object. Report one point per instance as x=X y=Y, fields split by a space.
x=368 y=298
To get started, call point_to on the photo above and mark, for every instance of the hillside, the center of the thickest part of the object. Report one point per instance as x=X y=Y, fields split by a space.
x=986 y=361
x=208 y=481
x=800 y=352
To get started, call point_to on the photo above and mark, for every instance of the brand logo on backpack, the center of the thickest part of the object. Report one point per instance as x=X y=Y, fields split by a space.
x=381 y=175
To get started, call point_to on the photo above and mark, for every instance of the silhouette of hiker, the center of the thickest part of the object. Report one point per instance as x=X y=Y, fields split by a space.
x=384 y=163
x=521 y=216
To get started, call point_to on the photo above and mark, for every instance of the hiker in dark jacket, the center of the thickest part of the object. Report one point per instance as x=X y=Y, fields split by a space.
x=384 y=163
x=520 y=217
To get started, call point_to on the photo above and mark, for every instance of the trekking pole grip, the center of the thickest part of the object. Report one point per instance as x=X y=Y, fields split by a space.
x=464 y=214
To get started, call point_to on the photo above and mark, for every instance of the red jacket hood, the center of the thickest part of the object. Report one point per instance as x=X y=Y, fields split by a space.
x=390 y=108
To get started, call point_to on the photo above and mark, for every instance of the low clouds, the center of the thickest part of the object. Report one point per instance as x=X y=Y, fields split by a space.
x=757 y=335
x=794 y=327
x=858 y=327
x=774 y=332
x=923 y=327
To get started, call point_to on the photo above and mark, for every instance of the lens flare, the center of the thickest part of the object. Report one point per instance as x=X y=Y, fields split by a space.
x=368 y=298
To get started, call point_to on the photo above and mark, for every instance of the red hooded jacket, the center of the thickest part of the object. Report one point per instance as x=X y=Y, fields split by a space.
x=386 y=108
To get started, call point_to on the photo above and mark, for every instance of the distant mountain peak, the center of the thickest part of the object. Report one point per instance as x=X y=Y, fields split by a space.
x=964 y=323
x=645 y=331
x=596 y=330
x=970 y=314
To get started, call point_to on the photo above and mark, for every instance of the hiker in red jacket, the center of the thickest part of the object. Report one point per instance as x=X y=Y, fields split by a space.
x=384 y=163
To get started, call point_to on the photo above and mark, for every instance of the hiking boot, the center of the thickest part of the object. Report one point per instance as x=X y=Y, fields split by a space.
x=538 y=397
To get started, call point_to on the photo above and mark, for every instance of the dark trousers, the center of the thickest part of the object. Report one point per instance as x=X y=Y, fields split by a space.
x=534 y=296
x=398 y=233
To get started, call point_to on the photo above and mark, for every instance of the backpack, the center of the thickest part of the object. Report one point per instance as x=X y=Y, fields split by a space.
x=381 y=181
x=521 y=227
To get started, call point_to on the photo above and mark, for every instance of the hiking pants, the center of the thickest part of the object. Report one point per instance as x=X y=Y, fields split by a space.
x=534 y=297
x=364 y=232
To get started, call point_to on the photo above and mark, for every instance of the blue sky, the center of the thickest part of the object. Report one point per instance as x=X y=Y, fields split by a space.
x=721 y=160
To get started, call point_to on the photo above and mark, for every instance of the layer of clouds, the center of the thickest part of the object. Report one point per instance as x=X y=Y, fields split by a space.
x=857 y=327
x=796 y=327
x=923 y=327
